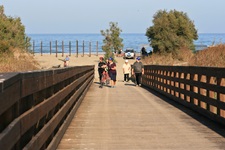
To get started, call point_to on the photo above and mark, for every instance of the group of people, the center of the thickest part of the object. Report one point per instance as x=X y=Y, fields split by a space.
x=107 y=71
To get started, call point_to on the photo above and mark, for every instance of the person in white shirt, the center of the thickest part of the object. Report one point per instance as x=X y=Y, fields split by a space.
x=126 y=70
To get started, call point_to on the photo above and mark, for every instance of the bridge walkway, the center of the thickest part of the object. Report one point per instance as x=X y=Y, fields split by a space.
x=134 y=118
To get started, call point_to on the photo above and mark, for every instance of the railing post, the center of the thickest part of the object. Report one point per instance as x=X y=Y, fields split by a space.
x=212 y=95
x=221 y=97
x=203 y=92
x=187 y=87
x=177 y=84
x=195 y=90
x=172 y=82
x=192 y=88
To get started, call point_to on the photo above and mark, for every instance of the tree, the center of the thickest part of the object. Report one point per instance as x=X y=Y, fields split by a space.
x=171 y=31
x=12 y=33
x=112 y=41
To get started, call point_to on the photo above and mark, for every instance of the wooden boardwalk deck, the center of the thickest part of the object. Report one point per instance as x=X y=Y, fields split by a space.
x=134 y=118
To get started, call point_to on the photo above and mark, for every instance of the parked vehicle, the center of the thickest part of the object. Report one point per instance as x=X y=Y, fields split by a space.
x=129 y=53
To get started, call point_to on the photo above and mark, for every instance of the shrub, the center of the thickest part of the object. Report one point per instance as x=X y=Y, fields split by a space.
x=12 y=33
x=171 y=31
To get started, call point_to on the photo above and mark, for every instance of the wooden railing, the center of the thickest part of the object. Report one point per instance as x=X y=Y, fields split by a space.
x=199 y=88
x=37 y=107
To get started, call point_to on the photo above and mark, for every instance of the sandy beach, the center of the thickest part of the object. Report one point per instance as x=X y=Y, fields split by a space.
x=47 y=61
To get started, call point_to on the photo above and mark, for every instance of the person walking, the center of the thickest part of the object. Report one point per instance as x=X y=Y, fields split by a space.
x=138 y=70
x=101 y=69
x=126 y=70
x=112 y=72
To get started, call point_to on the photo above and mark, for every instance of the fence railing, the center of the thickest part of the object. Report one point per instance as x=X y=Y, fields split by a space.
x=61 y=48
x=37 y=107
x=199 y=88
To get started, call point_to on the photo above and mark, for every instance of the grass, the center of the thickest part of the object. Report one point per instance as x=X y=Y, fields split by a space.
x=210 y=57
x=17 y=60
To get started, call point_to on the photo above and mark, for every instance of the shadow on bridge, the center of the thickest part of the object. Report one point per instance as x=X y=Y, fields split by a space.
x=216 y=127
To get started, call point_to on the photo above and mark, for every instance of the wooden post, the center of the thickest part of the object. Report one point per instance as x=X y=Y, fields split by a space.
x=69 y=48
x=50 y=44
x=89 y=49
x=212 y=108
x=187 y=87
x=83 y=49
x=62 y=48
x=202 y=91
x=195 y=89
x=221 y=97
x=77 y=48
x=192 y=88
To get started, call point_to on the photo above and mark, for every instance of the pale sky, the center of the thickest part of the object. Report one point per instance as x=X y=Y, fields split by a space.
x=91 y=16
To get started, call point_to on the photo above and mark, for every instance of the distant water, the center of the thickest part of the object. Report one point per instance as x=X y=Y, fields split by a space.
x=135 y=41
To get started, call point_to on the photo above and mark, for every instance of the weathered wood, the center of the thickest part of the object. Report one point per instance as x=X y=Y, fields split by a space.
x=48 y=129
x=38 y=98
x=200 y=88
x=57 y=138
x=10 y=135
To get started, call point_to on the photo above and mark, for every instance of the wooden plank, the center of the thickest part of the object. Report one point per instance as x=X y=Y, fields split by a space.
x=23 y=123
x=47 y=130
x=192 y=94
x=32 y=116
x=9 y=97
x=10 y=136
x=59 y=135
x=8 y=79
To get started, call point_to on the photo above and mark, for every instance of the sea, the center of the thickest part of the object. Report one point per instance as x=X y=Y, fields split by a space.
x=45 y=43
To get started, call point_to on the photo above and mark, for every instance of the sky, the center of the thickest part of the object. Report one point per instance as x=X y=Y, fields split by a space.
x=91 y=16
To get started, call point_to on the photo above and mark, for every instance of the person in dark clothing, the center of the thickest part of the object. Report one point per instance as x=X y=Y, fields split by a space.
x=101 y=68
x=112 y=72
x=144 y=52
x=138 y=70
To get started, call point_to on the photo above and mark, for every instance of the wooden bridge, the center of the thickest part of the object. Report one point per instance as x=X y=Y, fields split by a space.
x=176 y=108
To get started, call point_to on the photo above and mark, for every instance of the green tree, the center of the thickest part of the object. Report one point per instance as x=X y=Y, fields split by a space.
x=171 y=31
x=12 y=33
x=112 y=41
